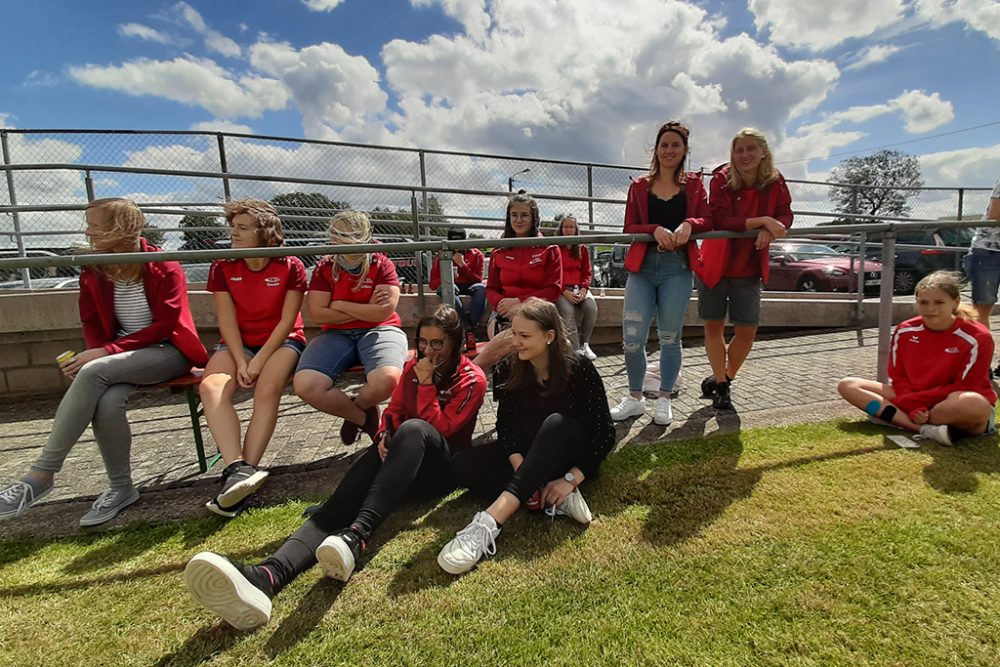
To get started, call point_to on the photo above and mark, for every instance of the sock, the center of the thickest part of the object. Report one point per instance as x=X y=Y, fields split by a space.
x=37 y=485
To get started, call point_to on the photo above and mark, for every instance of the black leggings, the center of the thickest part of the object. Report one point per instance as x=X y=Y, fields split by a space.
x=417 y=463
x=485 y=469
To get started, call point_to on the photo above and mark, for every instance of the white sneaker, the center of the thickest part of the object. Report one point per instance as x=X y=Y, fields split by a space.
x=574 y=507
x=218 y=585
x=663 y=412
x=938 y=433
x=476 y=540
x=590 y=354
x=630 y=406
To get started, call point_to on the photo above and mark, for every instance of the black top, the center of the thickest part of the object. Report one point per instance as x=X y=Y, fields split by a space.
x=521 y=412
x=668 y=213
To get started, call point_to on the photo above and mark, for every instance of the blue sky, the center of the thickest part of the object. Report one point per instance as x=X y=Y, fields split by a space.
x=584 y=80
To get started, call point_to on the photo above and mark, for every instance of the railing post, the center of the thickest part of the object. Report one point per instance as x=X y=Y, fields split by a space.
x=885 y=303
x=590 y=193
x=447 y=275
x=961 y=201
x=89 y=182
x=15 y=217
x=423 y=182
x=859 y=311
x=419 y=255
x=223 y=166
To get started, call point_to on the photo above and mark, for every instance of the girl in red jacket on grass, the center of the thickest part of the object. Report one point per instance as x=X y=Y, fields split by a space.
x=747 y=194
x=138 y=331
x=257 y=300
x=430 y=419
x=939 y=369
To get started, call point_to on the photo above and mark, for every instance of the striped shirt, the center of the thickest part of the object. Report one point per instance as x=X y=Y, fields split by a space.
x=131 y=308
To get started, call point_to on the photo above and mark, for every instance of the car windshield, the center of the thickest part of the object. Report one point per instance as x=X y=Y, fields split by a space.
x=807 y=251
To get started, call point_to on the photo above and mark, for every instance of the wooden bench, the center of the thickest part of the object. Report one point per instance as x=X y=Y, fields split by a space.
x=189 y=385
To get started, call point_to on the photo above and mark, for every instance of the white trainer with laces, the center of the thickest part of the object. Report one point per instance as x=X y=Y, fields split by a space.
x=938 y=433
x=663 y=412
x=470 y=544
x=630 y=406
x=590 y=354
x=574 y=507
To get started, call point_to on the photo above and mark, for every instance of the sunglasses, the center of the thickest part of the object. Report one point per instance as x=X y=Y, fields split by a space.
x=436 y=344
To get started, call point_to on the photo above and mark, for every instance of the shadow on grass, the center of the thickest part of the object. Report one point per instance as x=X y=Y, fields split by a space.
x=307 y=615
x=202 y=646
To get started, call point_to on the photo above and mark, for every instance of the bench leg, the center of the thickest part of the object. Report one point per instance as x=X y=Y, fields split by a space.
x=196 y=412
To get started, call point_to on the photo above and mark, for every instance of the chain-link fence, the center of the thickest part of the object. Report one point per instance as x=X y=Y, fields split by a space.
x=310 y=180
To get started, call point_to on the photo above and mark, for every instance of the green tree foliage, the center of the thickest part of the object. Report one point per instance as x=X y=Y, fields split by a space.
x=153 y=235
x=399 y=222
x=322 y=207
x=888 y=171
x=196 y=240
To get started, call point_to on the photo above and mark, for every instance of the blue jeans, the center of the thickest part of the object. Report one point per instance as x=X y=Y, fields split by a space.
x=478 y=306
x=662 y=285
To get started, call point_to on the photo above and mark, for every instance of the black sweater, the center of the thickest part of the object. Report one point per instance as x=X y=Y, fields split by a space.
x=522 y=411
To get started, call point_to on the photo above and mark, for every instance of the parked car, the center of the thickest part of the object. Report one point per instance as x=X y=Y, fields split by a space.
x=608 y=267
x=38 y=271
x=814 y=267
x=912 y=265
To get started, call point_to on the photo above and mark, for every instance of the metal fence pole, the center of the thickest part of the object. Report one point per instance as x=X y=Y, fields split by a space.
x=419 y=255
x=223 y=167
x=423 y=181
x=89 y=182
x=590 y=193
x=447 y=277
x=961 y=200
x=885 y=304
x=860 y=305
x=25 y=273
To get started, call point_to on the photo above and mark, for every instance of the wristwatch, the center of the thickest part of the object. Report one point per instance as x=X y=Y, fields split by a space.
x=570 y=477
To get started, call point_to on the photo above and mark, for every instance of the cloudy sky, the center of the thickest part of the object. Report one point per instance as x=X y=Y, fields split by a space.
x=571 y=79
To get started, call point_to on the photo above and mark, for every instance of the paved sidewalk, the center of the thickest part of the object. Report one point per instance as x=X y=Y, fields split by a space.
x=788 y=379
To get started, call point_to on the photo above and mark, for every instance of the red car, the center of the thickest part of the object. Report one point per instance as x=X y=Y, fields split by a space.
x=814 y=267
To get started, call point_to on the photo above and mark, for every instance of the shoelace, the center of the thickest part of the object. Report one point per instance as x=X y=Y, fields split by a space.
x=106 y=499
x=9 y=495
x=478 y=536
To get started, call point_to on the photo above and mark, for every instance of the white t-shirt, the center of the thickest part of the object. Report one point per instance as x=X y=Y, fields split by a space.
x=131 y=308
x=988 y=238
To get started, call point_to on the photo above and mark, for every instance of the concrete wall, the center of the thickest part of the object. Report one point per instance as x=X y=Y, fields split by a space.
x=35 y=327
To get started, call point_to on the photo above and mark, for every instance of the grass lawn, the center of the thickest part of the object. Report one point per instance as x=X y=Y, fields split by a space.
x=818 y=544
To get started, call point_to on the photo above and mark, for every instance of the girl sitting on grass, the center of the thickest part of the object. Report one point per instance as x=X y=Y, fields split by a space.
x=939 y=369
x=257 y=301
x=554 y=429
x=431 y=416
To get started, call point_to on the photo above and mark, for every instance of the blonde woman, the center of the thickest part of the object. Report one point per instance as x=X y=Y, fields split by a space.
x=138 y=331
x=257 y=300
x=354 y=297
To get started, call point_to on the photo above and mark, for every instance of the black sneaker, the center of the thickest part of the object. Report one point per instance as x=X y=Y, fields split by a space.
x=350 y=432
x=721 y=399
x=996 y=371
x=708 y=386
x=239 y=594
x=339 y=554
x=239 y=480
x=228 y=511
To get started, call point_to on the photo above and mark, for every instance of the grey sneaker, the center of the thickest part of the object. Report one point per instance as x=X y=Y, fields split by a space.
x=17 y=498
x=108 y=505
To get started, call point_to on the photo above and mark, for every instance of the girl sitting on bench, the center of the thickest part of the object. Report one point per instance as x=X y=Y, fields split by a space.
x=257 y=301
x=138 y=331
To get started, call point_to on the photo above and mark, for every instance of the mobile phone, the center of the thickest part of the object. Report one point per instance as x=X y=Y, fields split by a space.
x=902 y=441
x=65 y=356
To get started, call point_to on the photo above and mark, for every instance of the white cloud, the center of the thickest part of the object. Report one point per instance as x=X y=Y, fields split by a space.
x=6 y=120
x=322 y=5
x=817 y=26
x=38 y=79
x=973 y=167
x=144 y=32
x=222 y=126
x=872 y=55
x=189 y=80
x=981 y=15
x=471 y=14
x=923 y=112
x=214 y=40
x=332 y=89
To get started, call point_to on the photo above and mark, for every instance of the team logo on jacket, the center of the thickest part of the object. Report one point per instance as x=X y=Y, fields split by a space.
x=272 y=281
x=914 y=339
x=236 y=279
x=952 y=350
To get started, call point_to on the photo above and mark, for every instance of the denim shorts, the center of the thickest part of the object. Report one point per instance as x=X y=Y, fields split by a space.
x=250 y=350
x=983 y=268
x=334 y=351
x=739 y=296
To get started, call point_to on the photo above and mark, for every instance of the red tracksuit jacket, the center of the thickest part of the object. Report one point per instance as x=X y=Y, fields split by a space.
x=470 y=274
x=525 y=272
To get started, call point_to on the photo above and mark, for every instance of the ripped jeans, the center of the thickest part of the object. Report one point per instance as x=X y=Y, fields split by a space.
x=662 y=284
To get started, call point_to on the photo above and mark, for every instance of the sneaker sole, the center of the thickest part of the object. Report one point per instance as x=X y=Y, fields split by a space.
x=16 y=513
x=217 y=585
x=336 y=559
x=663 y=422
x=214 y=507
x=104 y=518
x=629 y=415
x=240 y=491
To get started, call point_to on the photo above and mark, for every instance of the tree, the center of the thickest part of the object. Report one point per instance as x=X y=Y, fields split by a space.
x=385 y=220
x=153 y=235
x=888 y=171
x=307 y=200
x=198 y=240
